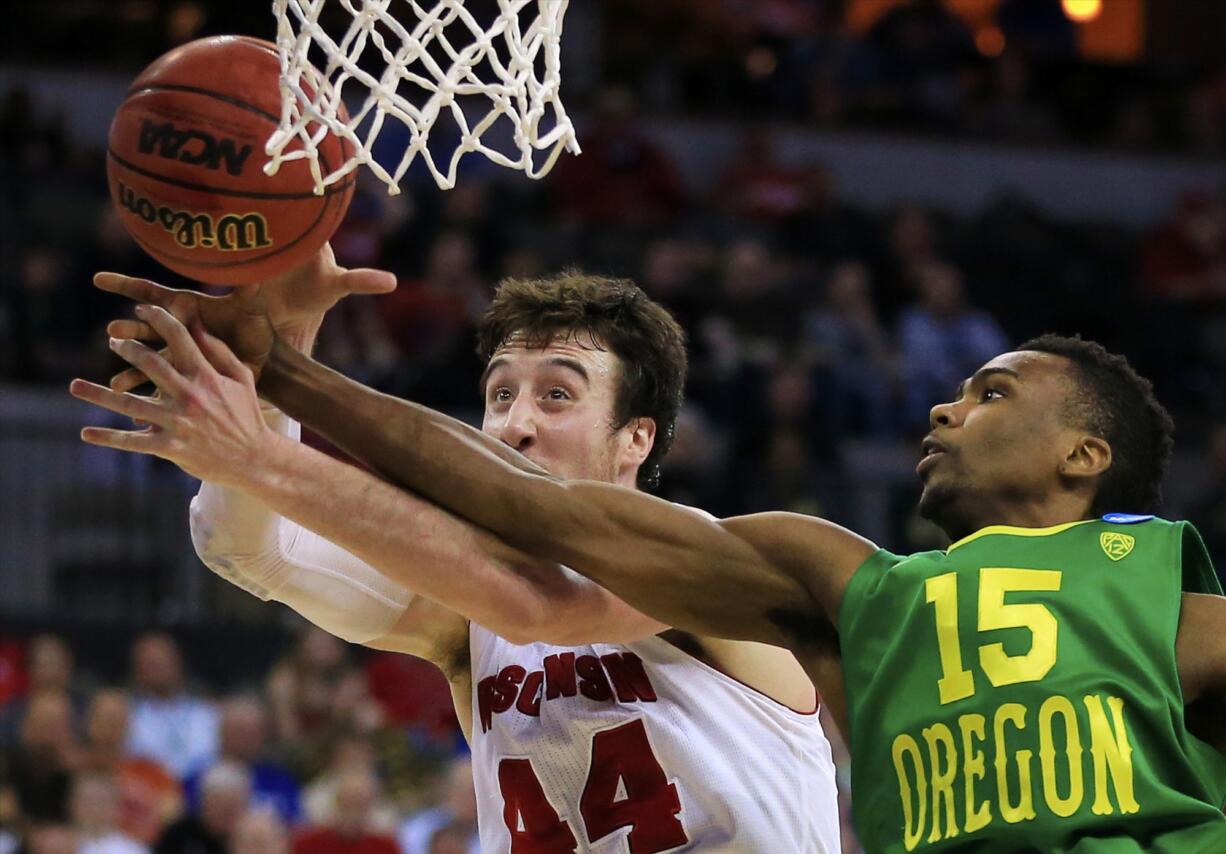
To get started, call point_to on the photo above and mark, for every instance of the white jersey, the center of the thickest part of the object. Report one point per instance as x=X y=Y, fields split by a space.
x=639 y=749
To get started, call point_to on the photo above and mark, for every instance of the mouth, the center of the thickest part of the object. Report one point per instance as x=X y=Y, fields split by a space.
x=932 y=450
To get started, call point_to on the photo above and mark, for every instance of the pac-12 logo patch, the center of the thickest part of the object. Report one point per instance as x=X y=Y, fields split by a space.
x=1116 y=545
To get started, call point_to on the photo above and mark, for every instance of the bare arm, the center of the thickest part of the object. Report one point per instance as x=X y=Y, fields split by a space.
x=209 y=422
x=776 y=578
x=1200 y=652
x=435 y=555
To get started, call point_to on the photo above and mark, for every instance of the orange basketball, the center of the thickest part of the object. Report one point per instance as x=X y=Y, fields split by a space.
x=185 y=164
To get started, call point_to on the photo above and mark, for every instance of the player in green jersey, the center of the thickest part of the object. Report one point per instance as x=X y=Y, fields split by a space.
x=1052 y=681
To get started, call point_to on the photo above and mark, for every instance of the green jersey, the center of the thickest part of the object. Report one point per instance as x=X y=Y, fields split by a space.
x=1019 y=691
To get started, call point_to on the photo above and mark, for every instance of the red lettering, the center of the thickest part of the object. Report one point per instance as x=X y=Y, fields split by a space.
x=507 y=687
x=485 y=702
x=629 y=677
x=593 y=683
x=651 y=804
x=530 y=695
x=532 y=821
x=560 y=676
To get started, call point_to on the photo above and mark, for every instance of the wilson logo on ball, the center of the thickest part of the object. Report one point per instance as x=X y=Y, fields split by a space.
x=193 y=147
x=229 y=233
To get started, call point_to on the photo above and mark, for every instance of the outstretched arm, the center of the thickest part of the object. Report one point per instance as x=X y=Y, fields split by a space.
x=775 y=577
x=208 y=421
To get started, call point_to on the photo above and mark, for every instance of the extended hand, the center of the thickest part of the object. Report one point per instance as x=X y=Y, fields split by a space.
x=206 y=416
x=247 y=318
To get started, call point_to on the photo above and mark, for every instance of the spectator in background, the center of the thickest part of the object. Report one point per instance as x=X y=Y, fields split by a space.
x=623 y=178
x=49 y=665
x=1208 y=511
x=1039 y=28
x=456 y=811
x=259 y=832
x=1009 y=109
x=243 y=737
x=695 y=470
x=909 y=67
x=149 y=795
x=1185 y=259
x=453 y=839
x=1205 y=115
x=756 y=300
x=849 y=345
x=35 y=773
x=667 y=274
x=306 y=704
x=352 y=753
x=756 y=186
x=430 y=320
x=911 y=243
x=225 y=796
x=94 y=808
x=942 y=340
x=168 y=724
x=50 y=838
x=353 y=828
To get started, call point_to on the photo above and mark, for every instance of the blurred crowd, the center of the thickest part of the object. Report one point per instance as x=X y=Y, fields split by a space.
x=1016 y=73
x=920 y=67
x=813 y=323
x=312 y=757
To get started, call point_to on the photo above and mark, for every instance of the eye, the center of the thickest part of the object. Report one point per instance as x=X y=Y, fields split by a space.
x=558 y=393
x=500 y=395
x=990 y=394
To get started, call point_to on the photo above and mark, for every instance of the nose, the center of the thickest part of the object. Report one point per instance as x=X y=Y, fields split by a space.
x=944 y=415
x=519 y=428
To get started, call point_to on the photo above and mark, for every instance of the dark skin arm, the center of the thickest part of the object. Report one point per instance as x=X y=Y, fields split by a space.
x=771 y=577
x=1200 y=652
x=776 y=577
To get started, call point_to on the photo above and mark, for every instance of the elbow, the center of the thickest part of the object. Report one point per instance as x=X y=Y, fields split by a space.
x=525 y=623
x=527 y=619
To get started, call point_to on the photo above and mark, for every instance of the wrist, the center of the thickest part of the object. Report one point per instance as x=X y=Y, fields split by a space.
x=301 y=334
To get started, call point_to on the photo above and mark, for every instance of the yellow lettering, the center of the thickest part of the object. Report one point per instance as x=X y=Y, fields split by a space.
x=956 y=681
x=1052 y=706
x=1111 y=751
x=1023 y=810
x=942 y=780
x=994 y=614
x=913 y=819
x=978 y=816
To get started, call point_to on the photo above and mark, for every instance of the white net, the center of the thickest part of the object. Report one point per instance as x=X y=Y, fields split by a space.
x=413 y=63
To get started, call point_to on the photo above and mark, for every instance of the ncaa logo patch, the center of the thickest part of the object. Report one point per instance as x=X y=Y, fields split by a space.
x=1117 y=546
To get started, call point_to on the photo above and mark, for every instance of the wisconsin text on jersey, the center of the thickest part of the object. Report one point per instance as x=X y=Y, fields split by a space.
x=564 y=675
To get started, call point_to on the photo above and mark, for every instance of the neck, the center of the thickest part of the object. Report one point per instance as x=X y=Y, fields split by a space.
x=1047 y=513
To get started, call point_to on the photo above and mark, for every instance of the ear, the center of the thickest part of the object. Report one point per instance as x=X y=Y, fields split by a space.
x=1089 y=458
x=641 y=438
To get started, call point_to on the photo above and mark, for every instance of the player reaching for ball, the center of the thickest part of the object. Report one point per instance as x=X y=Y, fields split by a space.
x=1054 y=680
x=593 y=727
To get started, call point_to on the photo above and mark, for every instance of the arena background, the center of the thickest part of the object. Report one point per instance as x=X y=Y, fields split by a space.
x=850 y=204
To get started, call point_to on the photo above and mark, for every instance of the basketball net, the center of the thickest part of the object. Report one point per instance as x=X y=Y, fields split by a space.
x=431 y=52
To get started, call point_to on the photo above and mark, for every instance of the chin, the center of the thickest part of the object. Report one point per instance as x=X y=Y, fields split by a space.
x=938 y=504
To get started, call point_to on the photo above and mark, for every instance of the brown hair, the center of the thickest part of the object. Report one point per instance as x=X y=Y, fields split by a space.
x=610 y=313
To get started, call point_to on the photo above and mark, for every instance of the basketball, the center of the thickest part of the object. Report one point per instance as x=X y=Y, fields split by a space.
x=185 y=162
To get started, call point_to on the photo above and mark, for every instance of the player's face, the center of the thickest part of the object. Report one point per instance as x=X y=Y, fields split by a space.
x=995 y=451
x=555 y=405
